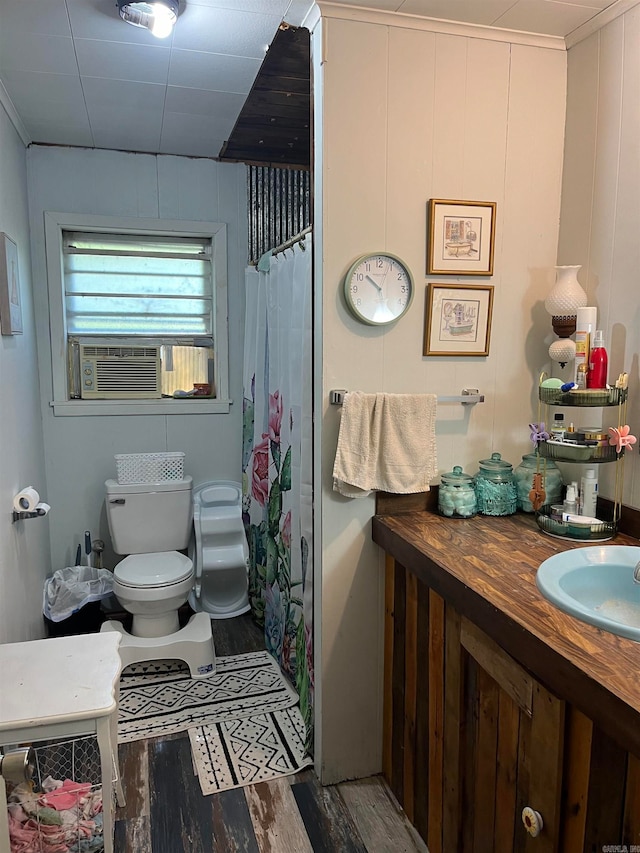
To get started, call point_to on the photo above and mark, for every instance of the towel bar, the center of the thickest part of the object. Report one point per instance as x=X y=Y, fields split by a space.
x=468 y=397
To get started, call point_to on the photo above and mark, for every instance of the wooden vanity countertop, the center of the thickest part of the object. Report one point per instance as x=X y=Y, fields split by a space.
x=485 y=568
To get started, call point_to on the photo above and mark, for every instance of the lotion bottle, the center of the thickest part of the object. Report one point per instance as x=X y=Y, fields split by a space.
x=598 y=363
x=590 y=493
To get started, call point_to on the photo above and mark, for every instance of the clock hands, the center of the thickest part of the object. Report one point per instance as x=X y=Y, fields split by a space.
x=374 y=283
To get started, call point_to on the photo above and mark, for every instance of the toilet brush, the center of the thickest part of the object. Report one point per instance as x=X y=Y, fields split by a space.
x=97 y=546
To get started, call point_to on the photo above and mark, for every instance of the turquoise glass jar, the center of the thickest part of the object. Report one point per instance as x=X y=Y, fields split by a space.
x=495 y=487
x=457 y=495
x=551 y=480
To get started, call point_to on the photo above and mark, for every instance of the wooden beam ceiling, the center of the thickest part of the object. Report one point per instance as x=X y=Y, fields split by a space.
x=274 y=125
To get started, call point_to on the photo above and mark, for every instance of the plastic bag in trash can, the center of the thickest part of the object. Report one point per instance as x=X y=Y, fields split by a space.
x=70 y=589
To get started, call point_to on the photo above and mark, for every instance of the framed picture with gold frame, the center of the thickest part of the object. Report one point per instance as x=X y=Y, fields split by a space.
x=461 y=237
x=458 y=319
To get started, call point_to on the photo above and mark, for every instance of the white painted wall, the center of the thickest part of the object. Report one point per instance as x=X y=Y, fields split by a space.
x=79 y=450
x=601 y=205
x=407 y=115
x=24 y=546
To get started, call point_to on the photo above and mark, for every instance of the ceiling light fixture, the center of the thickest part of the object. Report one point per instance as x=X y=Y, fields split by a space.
x=159 y=17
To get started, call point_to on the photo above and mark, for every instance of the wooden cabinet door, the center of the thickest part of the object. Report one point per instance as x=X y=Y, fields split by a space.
x=510 y=733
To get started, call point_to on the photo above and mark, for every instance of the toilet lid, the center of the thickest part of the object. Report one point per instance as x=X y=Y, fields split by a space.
x=160 y=569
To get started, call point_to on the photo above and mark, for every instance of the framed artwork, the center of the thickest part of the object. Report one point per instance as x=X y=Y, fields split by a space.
x=461 y=237
x=10 y=307
x=458 y=319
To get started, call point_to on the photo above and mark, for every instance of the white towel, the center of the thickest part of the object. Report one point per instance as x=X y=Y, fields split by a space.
x=386 y=443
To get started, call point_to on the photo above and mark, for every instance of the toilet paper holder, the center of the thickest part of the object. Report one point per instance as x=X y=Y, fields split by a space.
x=27 y=504
x=36 y=513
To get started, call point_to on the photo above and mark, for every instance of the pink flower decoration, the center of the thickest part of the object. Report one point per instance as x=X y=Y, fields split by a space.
x=286 y=530
x=260 y=471
x=620 y=438
x=275 y=416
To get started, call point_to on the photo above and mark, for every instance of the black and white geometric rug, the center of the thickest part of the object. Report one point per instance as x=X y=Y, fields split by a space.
x=234 y=753
x=160 y=697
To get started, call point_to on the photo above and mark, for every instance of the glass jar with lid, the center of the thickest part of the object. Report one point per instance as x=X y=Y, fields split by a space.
x=551 y=480
x=457 y=495
x=495 y=487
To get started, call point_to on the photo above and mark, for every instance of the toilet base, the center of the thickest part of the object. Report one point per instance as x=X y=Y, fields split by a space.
x=192 y=644
x=217 y=611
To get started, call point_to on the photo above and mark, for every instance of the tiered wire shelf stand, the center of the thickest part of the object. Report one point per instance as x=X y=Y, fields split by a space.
x=609 y=398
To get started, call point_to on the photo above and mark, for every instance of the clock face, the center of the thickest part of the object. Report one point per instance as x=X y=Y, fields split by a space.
x=378 y=288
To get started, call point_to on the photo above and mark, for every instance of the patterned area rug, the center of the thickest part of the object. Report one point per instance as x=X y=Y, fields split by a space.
x=160 y=697
x=234 y=753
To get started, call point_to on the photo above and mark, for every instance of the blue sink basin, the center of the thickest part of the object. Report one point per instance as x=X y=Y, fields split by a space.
x=595 y=585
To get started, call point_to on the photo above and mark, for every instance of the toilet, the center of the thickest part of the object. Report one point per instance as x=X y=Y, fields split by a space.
x=151 y=523
x=219 y=551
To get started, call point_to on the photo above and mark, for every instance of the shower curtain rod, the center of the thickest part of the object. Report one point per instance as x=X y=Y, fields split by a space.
x=289 y=243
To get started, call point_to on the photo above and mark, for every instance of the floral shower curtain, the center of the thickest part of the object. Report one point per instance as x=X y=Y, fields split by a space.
x=277 y=462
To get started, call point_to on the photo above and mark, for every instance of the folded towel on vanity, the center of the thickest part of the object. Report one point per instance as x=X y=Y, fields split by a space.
x=386 y=443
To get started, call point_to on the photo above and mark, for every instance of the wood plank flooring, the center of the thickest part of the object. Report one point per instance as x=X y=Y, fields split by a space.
x=167 y=813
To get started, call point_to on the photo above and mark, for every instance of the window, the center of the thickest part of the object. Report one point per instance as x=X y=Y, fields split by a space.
x=139 y=308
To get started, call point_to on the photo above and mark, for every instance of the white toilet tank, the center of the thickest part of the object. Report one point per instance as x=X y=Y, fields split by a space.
x=148 y=517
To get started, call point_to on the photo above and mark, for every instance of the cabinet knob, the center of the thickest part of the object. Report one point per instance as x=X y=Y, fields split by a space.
x=532 y=821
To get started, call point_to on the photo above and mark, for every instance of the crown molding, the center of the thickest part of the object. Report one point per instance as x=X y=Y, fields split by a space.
x=434 y=25
x=599 y=21
x=14 y=118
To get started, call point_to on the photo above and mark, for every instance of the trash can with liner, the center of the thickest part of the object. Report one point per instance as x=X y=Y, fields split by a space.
x=71 y=600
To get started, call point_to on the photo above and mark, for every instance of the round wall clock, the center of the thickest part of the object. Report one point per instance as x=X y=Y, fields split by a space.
x=378 y=288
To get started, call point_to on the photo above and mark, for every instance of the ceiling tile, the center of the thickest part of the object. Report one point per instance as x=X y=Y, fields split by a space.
x=56 y=132
x=544 y=16
x=469 y=11
x=594 y=4
x=383 y=5
x=134 y=132
x=45 y=96
x=190 y=135
x=47 y=17
x=117 y=61
x=265 y=7
x=120 y=95
x=126 y=127
x=198 y=70
x=225 y=31
x=223 y=105
x=37 y=52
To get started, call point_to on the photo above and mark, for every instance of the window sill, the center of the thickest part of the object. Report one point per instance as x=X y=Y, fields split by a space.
x=184 y=406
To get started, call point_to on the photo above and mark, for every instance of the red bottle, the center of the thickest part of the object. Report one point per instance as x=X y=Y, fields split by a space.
x=598 y=363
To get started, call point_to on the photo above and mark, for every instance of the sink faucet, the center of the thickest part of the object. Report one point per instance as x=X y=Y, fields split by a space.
x=636 y=573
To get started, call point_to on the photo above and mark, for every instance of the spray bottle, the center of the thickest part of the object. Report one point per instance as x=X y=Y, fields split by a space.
x=598 y=363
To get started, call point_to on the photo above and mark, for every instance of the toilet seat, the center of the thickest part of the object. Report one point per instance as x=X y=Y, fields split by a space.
x=160 y=569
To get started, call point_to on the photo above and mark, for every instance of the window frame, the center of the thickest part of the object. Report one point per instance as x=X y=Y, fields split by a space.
x=55 y=224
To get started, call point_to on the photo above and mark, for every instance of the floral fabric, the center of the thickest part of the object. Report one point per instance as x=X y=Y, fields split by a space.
x=277 y=464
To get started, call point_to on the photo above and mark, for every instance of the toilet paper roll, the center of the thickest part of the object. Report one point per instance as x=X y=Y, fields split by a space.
x=26 y=500
x=42 y=508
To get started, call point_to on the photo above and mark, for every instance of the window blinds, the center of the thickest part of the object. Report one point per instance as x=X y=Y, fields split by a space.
x=137 y=285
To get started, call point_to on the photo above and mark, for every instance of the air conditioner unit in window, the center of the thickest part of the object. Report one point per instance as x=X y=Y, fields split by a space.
x=119 y=371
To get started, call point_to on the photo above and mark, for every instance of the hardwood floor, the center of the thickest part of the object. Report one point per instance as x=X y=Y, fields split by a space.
x=167 y=813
